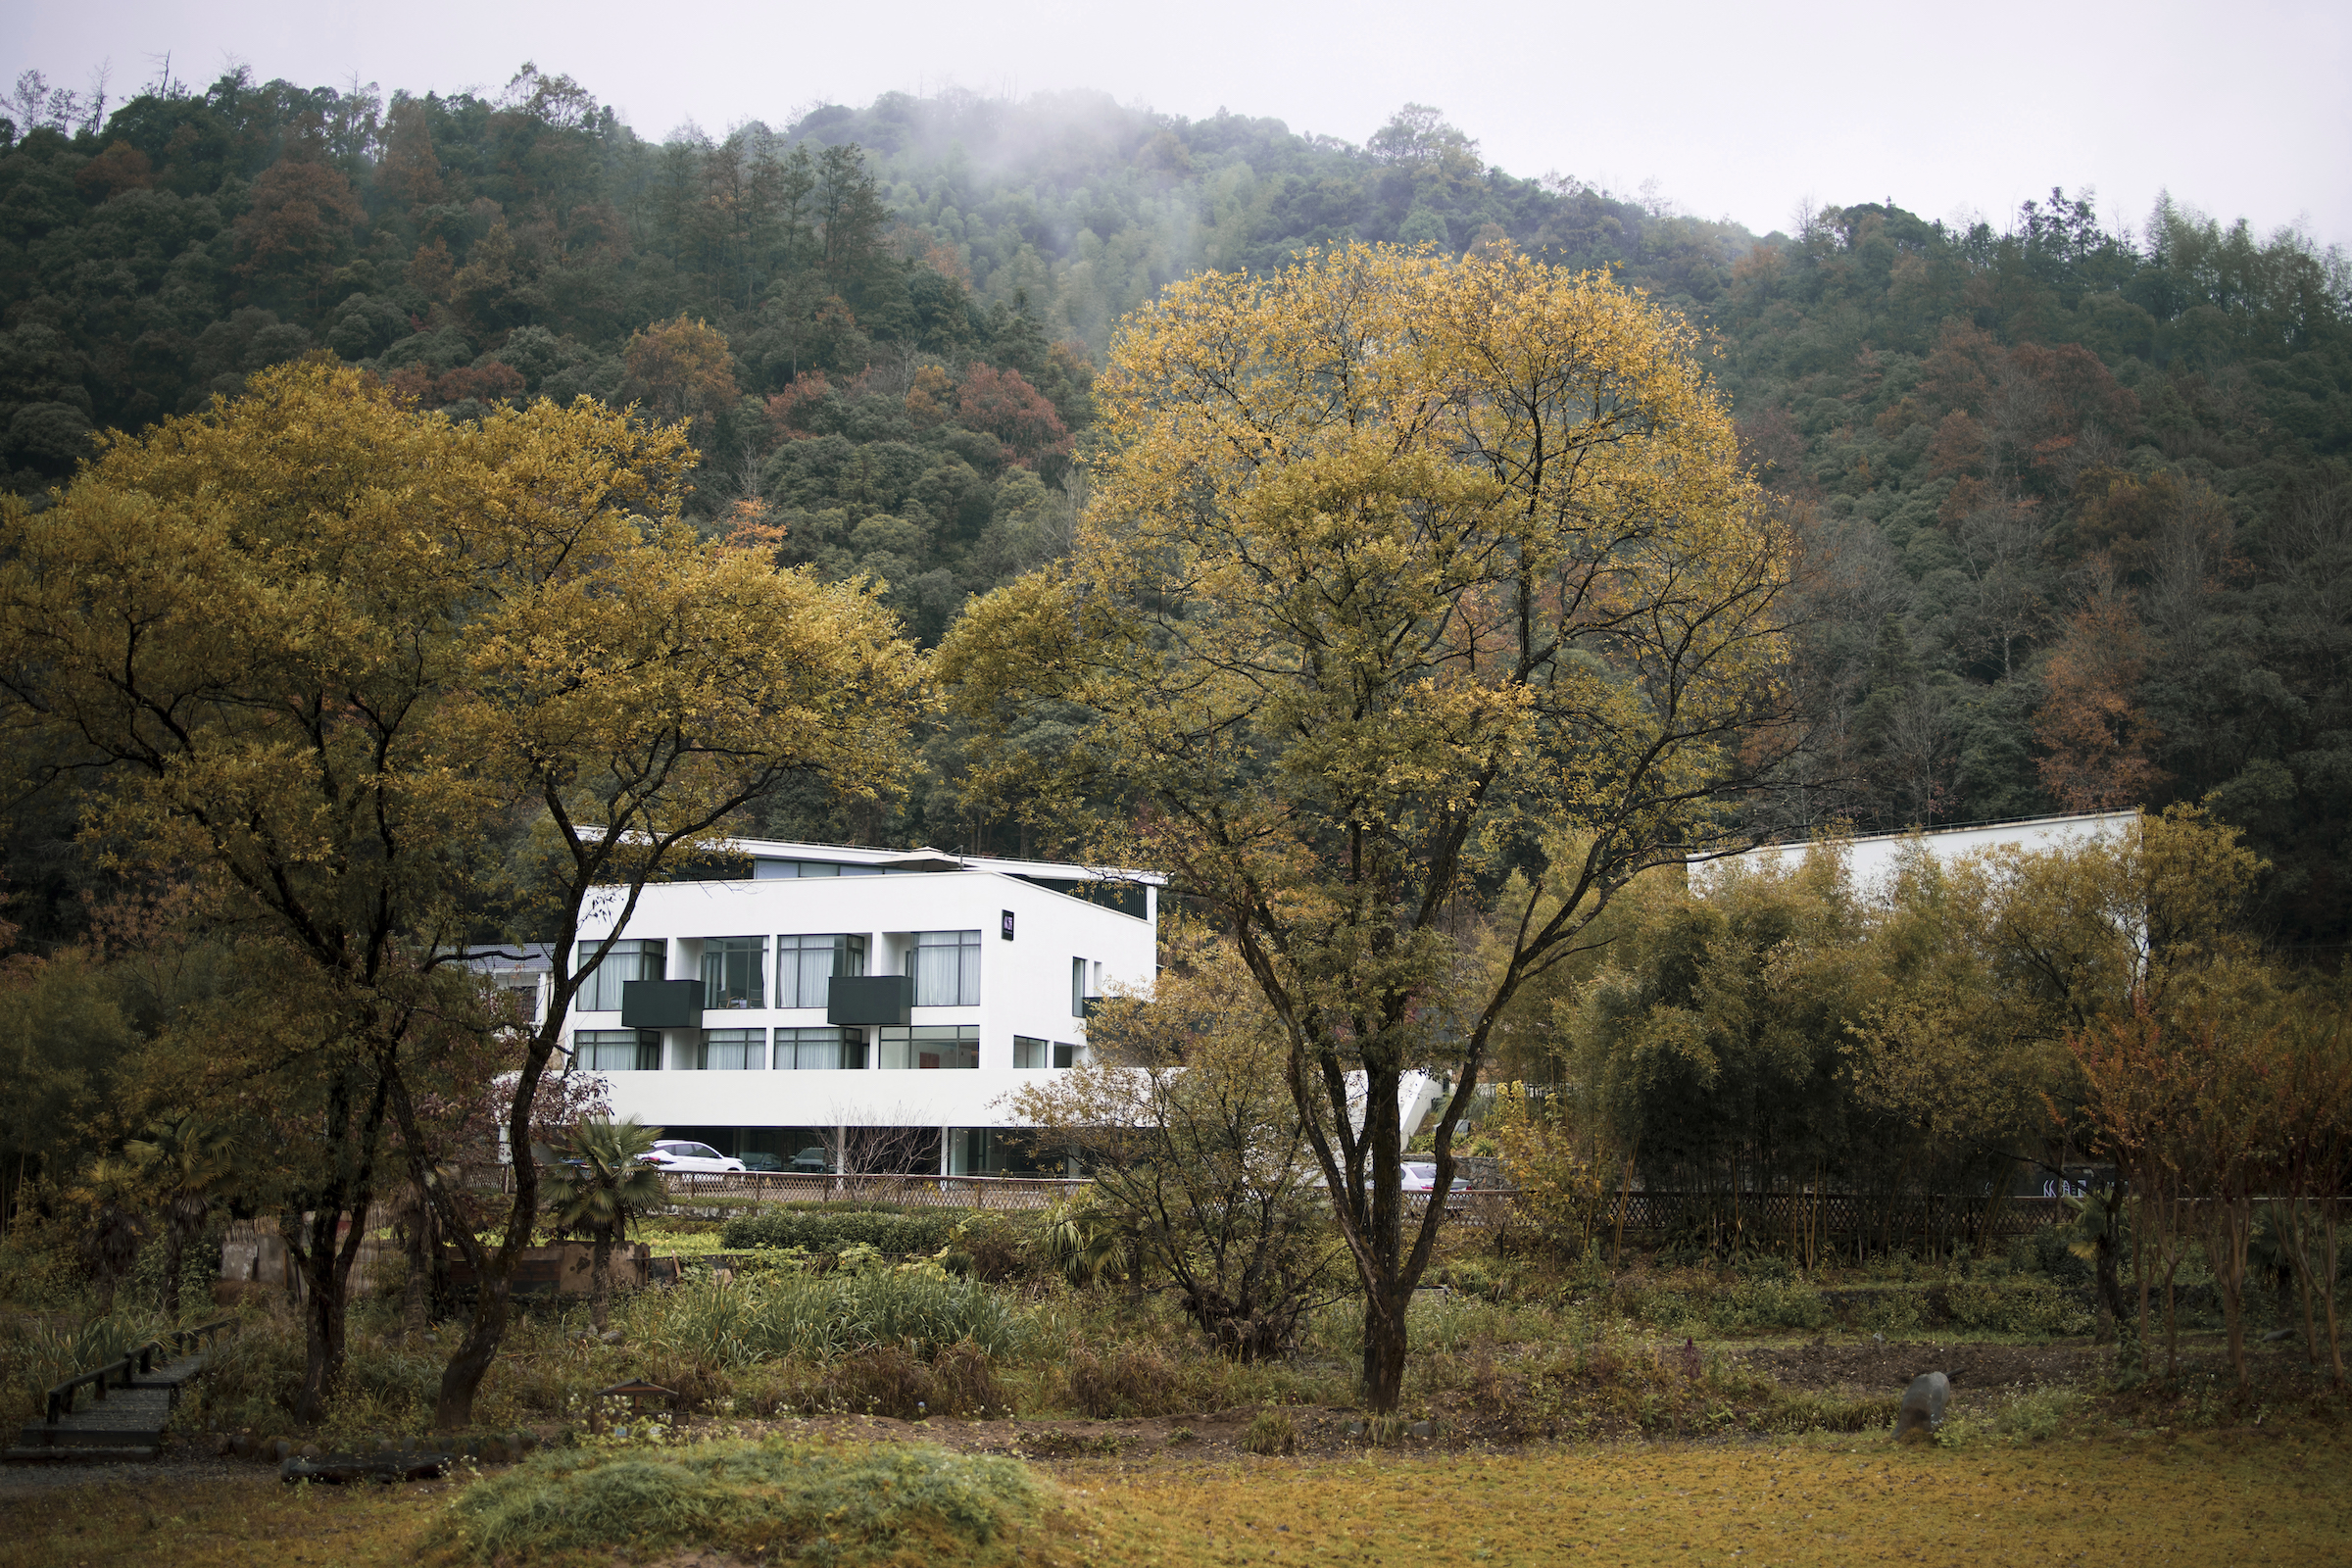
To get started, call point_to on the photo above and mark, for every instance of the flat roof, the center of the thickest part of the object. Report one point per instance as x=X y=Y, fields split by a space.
x=2025 y=825
x=927 y=858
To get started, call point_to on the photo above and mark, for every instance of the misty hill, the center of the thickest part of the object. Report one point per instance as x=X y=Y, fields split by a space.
x=2074 y=496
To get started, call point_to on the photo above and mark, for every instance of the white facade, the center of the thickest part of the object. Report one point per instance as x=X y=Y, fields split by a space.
x=993 y=1011
x=1871 y=860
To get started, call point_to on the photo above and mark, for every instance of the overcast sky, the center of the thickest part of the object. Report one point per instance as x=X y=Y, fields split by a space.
x=1738 y=111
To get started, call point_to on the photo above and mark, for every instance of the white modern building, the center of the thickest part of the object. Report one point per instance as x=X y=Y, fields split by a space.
x=1871 y=860
x=846 y=998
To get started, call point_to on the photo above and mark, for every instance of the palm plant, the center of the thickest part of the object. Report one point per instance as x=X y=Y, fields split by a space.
x=598 y=1180
x=185 y=1163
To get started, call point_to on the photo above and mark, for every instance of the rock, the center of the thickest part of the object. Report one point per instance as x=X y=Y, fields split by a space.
x=2278 y=1336
x=1423 y=1429
x=608 y=1336
x=1921 y=1411
x=496 y=1451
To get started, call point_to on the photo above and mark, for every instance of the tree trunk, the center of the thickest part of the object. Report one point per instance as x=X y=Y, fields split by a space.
x=2229 y=1220
x=2328 y=1253
x=417 y=1291
x=1385 y=1346
x=599 y=1282
x=492 y=1268
x=325 y=1260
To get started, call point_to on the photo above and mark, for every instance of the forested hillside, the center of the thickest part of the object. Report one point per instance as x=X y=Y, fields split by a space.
x=2076 y=513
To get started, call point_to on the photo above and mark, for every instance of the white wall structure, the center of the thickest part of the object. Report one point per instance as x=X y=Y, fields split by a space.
x=999 y=957
x=1871 y=860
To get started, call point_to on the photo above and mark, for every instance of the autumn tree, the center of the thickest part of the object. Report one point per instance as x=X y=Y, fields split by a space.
x=1393 y=567
x=681 y=371
x=330 y=653
x=2095 y=732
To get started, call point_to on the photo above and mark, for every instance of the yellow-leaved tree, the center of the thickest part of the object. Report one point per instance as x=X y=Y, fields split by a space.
x=335 y=655
x=1394 y=568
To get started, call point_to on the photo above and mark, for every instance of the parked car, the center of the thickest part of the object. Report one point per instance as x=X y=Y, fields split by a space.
x=1420 y=1176
x=676 y=1157
x=812 y=1161
x=758 y=1159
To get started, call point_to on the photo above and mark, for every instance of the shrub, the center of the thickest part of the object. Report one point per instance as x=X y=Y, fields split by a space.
x=1129 y=1380
x=2049 y=1251
x=836 y=1504
x=883 y=1382
x=829 y=1230
x=2022 y=1415
x=2016 y=1306
x=1763 y=1301
x=1271 y=1432
x=791 y=1315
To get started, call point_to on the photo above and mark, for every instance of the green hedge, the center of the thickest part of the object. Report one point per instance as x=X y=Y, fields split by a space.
x=831 y=1230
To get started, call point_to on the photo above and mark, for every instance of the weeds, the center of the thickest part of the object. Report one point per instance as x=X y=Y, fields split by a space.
x=1271 y=1432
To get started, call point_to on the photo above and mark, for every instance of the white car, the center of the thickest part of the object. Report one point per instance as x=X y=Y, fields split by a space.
x=1420 y=1176
x=677 y=1156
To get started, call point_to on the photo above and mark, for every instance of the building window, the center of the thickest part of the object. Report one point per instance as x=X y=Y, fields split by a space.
x=734 y=970
x=1028 y=1053
x=946 y=966
x=927 y=1046
x=524 y=989
x=804 y=964
x=734 y=1050
x=629 y=960
x=617 y=1050
x=819 y=1050
x=1077 y=988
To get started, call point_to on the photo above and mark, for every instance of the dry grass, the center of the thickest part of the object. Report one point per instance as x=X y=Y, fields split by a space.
x=2234 y=1496
x=2270 y=1500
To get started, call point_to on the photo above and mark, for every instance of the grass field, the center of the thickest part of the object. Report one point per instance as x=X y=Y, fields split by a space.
x=2239 y=1497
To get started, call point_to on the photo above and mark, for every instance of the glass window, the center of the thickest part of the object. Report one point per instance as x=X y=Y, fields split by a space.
x=819 y=1050
x=928 y=1045
x=804 y=963
x=629 y=960
x=1065 y=1054
x=946 y=966
x=617 y=1050
x=734 y=971
x=1028 y=1053
x=525 y=992
x=1077 y=988
x=734 y=1050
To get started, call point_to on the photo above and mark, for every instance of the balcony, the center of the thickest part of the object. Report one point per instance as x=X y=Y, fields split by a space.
x=870 y=999
x=661 y=1005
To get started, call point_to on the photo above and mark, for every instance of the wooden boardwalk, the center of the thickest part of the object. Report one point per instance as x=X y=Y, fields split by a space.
x=118 y=1412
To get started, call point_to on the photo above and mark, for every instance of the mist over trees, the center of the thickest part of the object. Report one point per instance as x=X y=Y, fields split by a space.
x=2070 y=490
